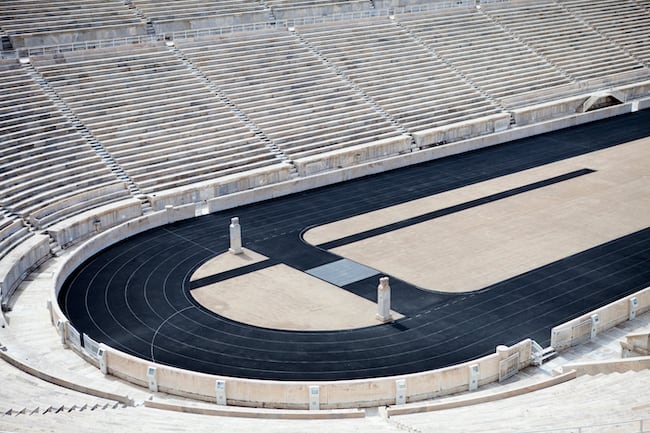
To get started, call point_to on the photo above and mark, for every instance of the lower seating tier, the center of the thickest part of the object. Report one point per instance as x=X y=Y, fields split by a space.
x=44 y=158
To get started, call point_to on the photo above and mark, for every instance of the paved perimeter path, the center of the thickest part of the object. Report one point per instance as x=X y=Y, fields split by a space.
x=136 y=297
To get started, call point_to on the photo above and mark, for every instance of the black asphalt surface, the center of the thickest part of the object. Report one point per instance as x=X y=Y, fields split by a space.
x=135 y=296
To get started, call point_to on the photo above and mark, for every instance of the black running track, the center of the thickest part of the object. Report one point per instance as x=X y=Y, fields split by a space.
x=135 y=296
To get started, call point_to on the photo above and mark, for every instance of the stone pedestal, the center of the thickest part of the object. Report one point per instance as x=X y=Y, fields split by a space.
x=220 y=391
x=314 y=397
x=235 y=236
x=474 y=375
x=400 y=391
x=383 y=301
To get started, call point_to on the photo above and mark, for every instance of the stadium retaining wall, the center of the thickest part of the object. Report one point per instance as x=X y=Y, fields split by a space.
x=579 y=330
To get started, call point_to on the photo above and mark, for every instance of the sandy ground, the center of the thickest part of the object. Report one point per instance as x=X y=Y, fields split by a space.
x=511 y=236
x=281 y=297
x=227 y=262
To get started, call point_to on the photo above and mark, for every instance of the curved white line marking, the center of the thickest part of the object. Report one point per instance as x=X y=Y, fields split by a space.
x=153 y=339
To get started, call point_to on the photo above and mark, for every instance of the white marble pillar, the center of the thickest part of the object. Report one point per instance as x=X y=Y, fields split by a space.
x=383 y=301
x=235 y=236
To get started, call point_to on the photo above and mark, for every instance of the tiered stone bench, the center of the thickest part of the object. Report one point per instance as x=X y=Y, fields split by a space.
x=644 y=3
x=170 y=15
x=29 y=392
x=636 y=344
x=397 y=4
x=585 y=401
x=46 y=163
x=19 y=262
x=300 y=104
x=288 y=9
x=31 y=23
x=160 y=123
x=109 y=194
x=404 y=78
x=487 y=55
x=12 y=232
x=567 y=42
x=625 y=23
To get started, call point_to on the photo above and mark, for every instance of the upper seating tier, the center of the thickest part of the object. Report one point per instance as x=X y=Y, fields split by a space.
x=173 y=15
x=403 y=77
x=564 y=39
x=287 y=91
x=289 y=9
x=486 y=54
x=51 y=22
x=414 y=4
x=625 y=23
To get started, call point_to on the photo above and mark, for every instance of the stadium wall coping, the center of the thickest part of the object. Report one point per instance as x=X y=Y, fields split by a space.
x=19 y=262
x=607 y=367
x=587 y=326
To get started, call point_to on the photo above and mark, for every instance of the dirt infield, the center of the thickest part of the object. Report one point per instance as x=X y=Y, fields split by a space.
x=479 y=246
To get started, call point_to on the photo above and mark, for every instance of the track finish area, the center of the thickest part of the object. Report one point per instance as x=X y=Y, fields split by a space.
x=135 y=295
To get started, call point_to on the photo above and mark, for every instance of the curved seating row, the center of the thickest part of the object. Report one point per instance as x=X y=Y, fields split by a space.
x=34 y=23
x=489 y=56
x=170 y=15
x=625 y=23
x=403 y=77
x=25 y=393
x=162 y=124
x=288 y=9
x=194 y=8
x=45 y=161
x=563 y=39
x=396 y=4
x=644 y=3
x=301 y=105
x=13 y=232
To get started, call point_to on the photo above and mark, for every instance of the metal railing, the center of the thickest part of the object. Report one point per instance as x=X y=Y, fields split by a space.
x=508 y=367
x=374 y=13
x=87 y=45
x=235 y=28
x=73 y=336
x=91 y=347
